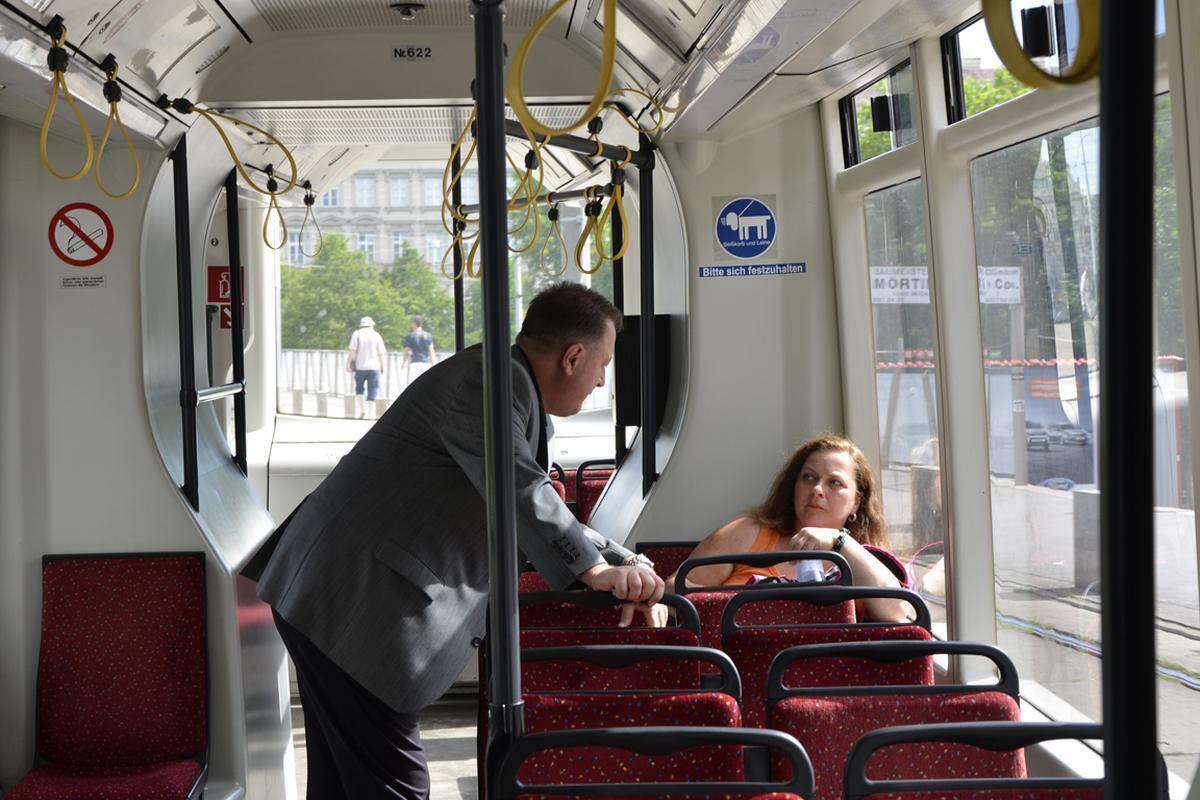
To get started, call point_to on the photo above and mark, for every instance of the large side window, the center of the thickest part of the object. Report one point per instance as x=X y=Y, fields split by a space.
x=1036 y=208
x=906 y=384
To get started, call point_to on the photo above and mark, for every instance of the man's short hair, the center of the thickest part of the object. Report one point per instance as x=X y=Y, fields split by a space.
x=418 y=321
x=566 y=313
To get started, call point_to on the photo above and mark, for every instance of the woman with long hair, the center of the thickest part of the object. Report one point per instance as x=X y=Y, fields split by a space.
x=825 y=498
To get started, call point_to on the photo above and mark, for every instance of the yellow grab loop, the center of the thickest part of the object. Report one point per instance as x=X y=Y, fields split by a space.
x=184 y=106
x=617 y=199
x=657 y=116
x=449 y=181
x=310 y=200
x=552 y=215
x=112 y=93
x=515 y=88
x=272 y=189
x=472 y=272
x=590 y=212
x=997 y=15
x=57 y=61
x=456 y=242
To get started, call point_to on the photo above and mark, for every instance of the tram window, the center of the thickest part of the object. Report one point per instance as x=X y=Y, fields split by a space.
x=589 y=434
x=878 y=118
x=322 y=299
x=364 y=191
x=906 y=384
x=975 y=78
x=1036 y=208
x=294 y=253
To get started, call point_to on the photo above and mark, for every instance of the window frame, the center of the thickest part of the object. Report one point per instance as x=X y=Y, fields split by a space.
x=848 y=113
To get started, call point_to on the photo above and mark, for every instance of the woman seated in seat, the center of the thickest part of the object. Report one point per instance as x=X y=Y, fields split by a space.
x=825 y=498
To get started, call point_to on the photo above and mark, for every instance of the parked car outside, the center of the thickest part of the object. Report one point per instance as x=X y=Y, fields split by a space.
x=1071 y=434
x=1036 y=437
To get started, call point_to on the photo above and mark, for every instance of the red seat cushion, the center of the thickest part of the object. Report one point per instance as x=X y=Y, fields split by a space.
x=121 y=676
x=594 y=481
x=1000 y=794
x=558 y=676
x=828 y=726
x=753 y=650
x=167 y=781
x=606 y=765
x=559 y=487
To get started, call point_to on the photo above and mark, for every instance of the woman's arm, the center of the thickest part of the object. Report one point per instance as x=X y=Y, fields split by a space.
x=733 y=537
x=867 y=569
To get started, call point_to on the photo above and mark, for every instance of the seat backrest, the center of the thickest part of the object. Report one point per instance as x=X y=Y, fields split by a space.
x=122 y=677
x=679 y=761
x=589 y=609
x=829 y=719
x=579 y=675
x=667 y=556
x=590 y=479
x=976 y=744
x=559 y=487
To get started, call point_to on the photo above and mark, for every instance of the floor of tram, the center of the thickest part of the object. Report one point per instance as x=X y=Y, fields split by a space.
x=448 y=733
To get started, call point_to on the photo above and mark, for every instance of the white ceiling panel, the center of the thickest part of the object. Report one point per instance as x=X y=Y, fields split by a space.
x=304 y=15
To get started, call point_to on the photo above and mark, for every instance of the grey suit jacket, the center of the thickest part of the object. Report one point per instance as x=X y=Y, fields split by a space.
x=384 y=567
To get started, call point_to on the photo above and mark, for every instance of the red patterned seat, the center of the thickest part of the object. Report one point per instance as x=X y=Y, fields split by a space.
x=667 y=557
x=559 y=487
x=121 y=700
x=680 y=760
x=590 y=479
x=711 y=607
x=582 y=676
x=829 y=718
x=932 y=758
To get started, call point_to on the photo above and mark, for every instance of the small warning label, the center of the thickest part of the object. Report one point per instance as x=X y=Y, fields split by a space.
x=84 y=281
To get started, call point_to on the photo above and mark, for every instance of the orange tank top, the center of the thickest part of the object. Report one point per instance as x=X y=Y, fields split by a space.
x=767 y=540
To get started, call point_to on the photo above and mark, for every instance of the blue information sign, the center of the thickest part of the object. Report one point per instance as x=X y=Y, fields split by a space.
x=745 y=228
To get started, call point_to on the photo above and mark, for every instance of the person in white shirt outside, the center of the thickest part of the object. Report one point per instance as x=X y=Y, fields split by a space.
x=366 y=356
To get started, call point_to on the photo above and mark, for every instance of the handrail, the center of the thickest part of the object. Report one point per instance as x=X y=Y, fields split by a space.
x=218 y=392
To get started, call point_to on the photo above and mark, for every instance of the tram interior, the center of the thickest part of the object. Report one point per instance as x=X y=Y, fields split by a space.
x=928 y=288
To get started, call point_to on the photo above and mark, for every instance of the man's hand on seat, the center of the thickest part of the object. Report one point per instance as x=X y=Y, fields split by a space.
x=636 y=583
x=655 y=615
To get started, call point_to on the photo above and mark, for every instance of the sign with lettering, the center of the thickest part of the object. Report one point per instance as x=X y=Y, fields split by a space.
x=898 y=286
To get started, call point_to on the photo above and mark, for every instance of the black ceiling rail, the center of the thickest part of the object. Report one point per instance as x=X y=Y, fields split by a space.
x=189 y=396
x=582 y=146
x=1126 y=399
x=41 y=28
x=589 y=192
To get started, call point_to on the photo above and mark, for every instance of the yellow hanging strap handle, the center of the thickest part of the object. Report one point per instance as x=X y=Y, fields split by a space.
x=310 y=200
x=556 y=231
x=112 y=93
x=449 y=180
x=184 y=106
x=57 y=61
x=456 y=243
x=515 y=89
x=591 y=210
x=532 y=192
x=617 y=199
x=472 y=271
x=997 y=15
x=273 y=190
x=657 y=115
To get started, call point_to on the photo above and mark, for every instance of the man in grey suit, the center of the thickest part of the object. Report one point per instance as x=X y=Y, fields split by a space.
x=379 y=581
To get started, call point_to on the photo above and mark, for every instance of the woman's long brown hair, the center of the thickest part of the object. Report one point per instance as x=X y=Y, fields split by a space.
x=779 y=512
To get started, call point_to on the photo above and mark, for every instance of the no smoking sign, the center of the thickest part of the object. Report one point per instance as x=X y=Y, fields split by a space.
x=80 y=234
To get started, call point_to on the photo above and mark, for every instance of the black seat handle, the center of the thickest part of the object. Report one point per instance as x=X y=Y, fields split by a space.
x=597 y=463
x=617 y=656
x=686 y=615
x=890 y=652
x=768 y=559
x=995 y=736
x=826 y=596
x=654 y=741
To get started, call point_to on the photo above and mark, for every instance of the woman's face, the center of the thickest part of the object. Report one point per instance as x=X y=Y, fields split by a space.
x=826 y=493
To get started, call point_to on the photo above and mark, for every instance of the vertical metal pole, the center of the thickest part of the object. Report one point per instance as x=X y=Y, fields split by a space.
x=1127 y=410
x=233 y=238
x=618 y=282
x=649 y=399
x=187 y=352
x=506 y=714
x=460 y=333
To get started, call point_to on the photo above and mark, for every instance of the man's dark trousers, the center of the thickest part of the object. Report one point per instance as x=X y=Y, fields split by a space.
x=358 y=748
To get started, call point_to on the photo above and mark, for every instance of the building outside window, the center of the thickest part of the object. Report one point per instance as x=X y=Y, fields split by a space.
x=399 y=189
x=331 y=198
x=433 y=250
x=431 y=190
x=366 y=246
x=470 y=189
x=397 y=245
x=364 y=191
x=294 y=251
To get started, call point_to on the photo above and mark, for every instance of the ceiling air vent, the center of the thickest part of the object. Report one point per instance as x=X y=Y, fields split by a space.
x=306 y=15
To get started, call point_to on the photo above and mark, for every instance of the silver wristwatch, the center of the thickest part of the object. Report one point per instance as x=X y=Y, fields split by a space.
x=637 y=559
